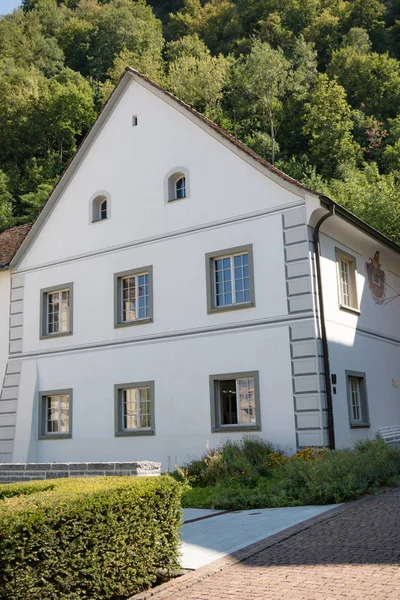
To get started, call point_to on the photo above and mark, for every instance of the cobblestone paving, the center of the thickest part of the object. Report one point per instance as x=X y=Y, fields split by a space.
x=353 y=555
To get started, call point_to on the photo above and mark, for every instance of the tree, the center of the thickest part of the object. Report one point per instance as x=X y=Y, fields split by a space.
x=195 y=76
x=328 y=126
x=6 y=213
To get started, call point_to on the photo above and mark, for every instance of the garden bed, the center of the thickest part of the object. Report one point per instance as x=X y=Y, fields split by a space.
x=252 y=473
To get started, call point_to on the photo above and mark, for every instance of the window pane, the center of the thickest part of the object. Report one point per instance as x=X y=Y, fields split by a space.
x=130 y=408
x=242 y=280
x=53 y=312
x=65 y=311
x=228 y=403
x=128 y=299
x=247 y=400
x=52 y=414
x=143 y=292
x=145 y=419
x=103 y=210
x=345 y=282
x=64 y=413
x=180 y=188
x=223 y=295
x=355 y=398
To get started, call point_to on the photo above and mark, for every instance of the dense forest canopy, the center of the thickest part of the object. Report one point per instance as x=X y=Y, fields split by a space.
x=311 y=85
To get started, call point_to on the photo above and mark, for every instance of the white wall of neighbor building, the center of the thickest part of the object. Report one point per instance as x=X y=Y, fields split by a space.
x=4 y=320
x=367 y=342
x=180 y=369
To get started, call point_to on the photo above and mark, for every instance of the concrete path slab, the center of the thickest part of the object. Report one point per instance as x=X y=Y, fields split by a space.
x=209 y=539
x=194 y=514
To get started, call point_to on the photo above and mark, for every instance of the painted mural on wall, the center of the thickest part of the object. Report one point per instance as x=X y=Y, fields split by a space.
x=376 y=278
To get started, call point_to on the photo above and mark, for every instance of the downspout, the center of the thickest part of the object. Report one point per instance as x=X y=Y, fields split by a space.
x=324 y=339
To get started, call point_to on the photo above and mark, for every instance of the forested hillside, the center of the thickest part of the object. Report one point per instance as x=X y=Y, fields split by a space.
x=311 y=85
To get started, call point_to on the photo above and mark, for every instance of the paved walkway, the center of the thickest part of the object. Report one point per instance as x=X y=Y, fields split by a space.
x=349 y=553
x=208 y=539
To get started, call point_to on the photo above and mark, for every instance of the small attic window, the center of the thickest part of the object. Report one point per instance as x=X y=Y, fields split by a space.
x=100 y=208
x=134 y=121
x=178 y=186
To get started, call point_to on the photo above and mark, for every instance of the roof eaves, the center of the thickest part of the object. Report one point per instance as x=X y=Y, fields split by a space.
x=359 y=223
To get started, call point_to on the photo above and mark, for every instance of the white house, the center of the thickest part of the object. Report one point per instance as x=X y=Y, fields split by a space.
x=171 y=294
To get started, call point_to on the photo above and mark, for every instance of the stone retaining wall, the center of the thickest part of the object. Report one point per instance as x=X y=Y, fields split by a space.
x=12 y=472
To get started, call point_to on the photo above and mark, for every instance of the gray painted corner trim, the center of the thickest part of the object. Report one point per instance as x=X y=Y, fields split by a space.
x=42 y=415
x=210 y=278
x=43 y=334
x=339 y=253
x=364 y=399
x=118 y=429
x=117 y=296
x=216 y=427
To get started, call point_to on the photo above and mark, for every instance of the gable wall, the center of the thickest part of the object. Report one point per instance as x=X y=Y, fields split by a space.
x=131 y=163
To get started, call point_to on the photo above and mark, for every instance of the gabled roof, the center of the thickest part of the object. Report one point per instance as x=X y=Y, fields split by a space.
x=10 y=241
x=22 y=242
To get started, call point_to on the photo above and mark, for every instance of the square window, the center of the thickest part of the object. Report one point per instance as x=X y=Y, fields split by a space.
x=55 y=414
x=230 y=279
x=133 y=291
x=56 y=311
x=357 y=399
x=134 y=408
x=346 y=274
x=235 y=402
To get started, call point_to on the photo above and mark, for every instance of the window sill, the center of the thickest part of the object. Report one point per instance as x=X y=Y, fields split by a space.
x=350 y=309
x=48 y=336
x=134 y=433
x=130 y=323
x=100 y=220
x=231 y=428
x=360 y=425
x=56 y=436
x=218 y=309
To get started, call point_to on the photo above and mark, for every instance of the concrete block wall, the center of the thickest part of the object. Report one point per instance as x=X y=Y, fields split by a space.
x=14 y=472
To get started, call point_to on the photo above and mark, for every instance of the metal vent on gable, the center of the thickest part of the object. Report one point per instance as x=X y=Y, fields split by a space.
x=134 y=120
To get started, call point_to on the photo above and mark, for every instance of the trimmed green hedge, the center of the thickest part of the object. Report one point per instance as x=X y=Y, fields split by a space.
x=100 y=538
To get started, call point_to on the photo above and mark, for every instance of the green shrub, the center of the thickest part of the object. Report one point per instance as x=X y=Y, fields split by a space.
x=25 y=488
x=99 y=538
x=236 y=461
x=268 y=479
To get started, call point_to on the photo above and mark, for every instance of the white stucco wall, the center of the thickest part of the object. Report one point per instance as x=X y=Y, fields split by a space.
x=231 y=204
x=368 y=342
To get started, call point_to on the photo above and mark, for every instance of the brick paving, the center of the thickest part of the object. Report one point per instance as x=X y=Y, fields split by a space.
x=350 y=553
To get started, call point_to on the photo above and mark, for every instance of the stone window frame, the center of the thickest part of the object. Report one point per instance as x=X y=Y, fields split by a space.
x=117 y=296
x=118 y=429
x=170 y=184
x=95 y=206
x=352 y=261
x=365 y=422
x=43 y=435
x=210 y=278
x=44 y=292
x=216 y=427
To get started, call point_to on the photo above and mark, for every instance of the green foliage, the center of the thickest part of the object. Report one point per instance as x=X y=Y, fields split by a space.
x=242 y=461
x=311 y=84
x=309 y=477
x=104 y=538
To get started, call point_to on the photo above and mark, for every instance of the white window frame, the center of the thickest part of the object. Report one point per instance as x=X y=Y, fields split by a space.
x=118 y=296
x=120 y=429
x=44 y=310
x=182 y=178
x=357 y=390
x=170 y=185
x=215 y=381
x=351 y=302
x=44 y=433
